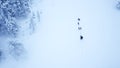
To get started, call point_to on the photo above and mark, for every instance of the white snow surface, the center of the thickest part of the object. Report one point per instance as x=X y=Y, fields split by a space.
x=56 y=42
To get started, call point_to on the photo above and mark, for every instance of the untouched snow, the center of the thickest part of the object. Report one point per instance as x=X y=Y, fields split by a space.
x=56 y=42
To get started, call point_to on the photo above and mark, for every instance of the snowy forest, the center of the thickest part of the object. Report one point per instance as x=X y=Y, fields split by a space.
x=59 y=34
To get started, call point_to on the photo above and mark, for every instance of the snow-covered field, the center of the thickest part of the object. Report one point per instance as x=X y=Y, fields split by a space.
x=56 y=42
